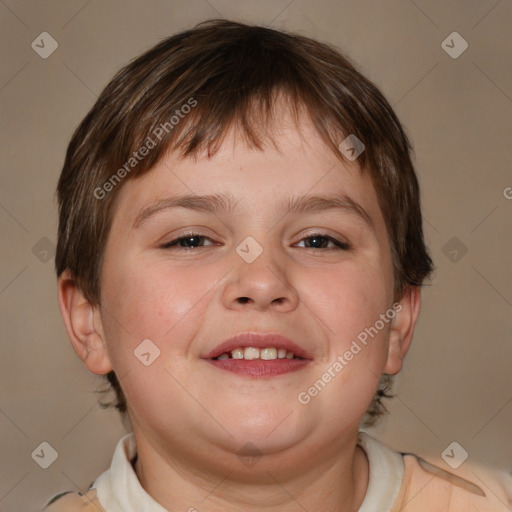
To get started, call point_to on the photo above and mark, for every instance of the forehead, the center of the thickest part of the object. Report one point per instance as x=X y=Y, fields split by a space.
x=294 y=162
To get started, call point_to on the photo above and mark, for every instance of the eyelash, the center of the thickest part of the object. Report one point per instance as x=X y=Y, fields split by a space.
x=343 y=246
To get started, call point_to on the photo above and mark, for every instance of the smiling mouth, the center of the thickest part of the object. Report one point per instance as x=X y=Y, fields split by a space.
x=259 y=362
x=257 y=354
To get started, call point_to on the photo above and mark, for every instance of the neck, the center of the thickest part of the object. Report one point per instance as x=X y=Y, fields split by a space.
x=335 y=481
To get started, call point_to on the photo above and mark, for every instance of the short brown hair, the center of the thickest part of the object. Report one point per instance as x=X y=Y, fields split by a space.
x=233 y=72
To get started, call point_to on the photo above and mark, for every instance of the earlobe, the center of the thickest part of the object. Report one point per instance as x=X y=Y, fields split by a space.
x=83 y=325
x=402 y=329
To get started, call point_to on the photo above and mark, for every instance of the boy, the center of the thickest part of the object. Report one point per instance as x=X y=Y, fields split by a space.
x=241 y=253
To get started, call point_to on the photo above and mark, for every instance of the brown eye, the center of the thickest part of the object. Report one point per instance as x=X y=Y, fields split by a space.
x=321 y=241
x=186 y=242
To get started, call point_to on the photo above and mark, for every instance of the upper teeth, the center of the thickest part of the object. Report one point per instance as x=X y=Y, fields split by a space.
x=256 y=353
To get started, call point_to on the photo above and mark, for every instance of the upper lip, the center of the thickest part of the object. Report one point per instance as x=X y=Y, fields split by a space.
x=258 y=340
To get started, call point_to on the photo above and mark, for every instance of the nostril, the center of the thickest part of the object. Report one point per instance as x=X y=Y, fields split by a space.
x=244 y=300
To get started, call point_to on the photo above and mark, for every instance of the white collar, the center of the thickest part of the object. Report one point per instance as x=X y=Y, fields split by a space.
x=386 y=475
x=119 y=489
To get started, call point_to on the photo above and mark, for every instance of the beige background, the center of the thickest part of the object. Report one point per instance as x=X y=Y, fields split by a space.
x=457 y=382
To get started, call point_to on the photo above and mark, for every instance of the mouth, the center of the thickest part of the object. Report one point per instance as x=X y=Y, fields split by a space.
x=252 y=353
x=258 y=355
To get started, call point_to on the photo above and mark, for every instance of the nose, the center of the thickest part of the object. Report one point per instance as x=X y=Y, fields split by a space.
x=261 y=285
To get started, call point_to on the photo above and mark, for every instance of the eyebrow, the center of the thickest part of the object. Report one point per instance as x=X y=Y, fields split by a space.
x=216 y=203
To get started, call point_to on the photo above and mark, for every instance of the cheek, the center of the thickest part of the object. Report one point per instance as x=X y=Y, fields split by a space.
x=349 y=304
x=149 y=300
x=348 y=299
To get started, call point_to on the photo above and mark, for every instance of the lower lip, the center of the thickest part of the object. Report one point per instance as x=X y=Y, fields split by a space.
x=259 y=368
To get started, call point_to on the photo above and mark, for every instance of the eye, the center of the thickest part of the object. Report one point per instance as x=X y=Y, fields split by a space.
x=319 y=241
x=191 y=241
x=187 y=242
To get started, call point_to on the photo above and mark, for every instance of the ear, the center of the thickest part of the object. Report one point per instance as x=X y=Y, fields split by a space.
x=83 y=325
x=402 y=328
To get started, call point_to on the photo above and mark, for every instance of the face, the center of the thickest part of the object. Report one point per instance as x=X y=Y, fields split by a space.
x=177 y=276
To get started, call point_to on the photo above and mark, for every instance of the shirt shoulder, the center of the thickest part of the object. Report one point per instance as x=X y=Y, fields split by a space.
x=429 y=488
x=75 y=502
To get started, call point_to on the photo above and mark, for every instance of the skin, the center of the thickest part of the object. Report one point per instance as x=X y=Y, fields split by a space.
x=189 y=418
